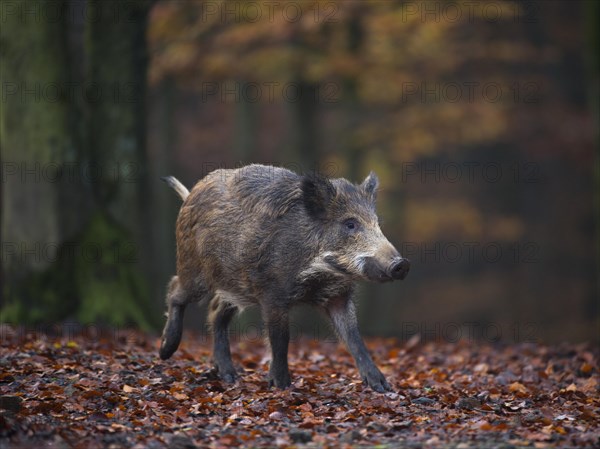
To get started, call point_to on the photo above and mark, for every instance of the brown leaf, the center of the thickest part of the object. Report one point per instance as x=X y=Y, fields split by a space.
x=589 y=386
x=128 y=389
x=517 y=387
x=180 y=396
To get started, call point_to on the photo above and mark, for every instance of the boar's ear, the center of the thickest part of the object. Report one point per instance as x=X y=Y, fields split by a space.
x=317 y=193
x=369 y=186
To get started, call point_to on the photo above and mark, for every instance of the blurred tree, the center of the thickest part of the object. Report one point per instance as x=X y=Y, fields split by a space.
x=246 y=124
x=409 y=83
x=165 y=204
x=95 y=275
x=421 y=87
x=115 y=45
x=36 y=141
x=593 y=71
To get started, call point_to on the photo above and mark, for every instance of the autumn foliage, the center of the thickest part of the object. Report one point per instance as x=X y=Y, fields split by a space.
x=113 y=390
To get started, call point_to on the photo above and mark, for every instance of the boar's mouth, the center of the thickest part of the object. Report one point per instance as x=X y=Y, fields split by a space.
x=330 y=260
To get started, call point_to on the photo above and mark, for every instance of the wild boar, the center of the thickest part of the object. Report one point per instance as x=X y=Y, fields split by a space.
x=266 y=236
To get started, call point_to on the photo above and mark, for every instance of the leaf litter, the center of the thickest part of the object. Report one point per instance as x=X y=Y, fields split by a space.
x=115 y=392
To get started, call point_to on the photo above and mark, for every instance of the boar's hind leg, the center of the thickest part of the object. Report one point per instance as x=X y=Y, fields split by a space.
x=219 y=317
x=343 y=316
x=277 y=321
x=177 y=300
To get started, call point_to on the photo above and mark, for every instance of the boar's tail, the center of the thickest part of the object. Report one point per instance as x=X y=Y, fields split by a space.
x=177 y=186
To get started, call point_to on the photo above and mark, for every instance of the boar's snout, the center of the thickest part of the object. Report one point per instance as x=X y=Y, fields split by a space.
x=375 y=271
x=399 y=268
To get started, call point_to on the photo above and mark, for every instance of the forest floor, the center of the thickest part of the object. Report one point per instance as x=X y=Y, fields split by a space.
x=113 y=391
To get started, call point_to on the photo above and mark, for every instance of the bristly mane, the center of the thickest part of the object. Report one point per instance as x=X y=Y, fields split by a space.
x=271 y=192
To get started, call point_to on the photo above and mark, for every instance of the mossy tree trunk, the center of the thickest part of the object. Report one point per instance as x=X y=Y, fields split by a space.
x=36 y=142
x=104 y=245
x=115 y=45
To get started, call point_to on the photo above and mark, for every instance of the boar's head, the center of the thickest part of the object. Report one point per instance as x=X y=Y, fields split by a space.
x=350 y=239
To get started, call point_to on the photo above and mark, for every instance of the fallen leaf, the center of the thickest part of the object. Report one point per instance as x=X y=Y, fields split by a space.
x=517 y=387
x=128 y=389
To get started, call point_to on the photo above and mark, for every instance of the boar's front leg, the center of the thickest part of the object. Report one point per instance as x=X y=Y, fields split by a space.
x=343 y=316
x=277 y=321
x=220 y=316
x=177 y=299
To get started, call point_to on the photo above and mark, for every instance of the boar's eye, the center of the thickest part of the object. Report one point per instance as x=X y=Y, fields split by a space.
x=351 y=224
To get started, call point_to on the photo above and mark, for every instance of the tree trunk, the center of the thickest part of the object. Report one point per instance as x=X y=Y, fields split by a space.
x=246 y=115
x=115 y=289
x=36 y=142
x=117 y=60
x=99 y=238
x=302 y=105
x=591 y=10
x=167 y=202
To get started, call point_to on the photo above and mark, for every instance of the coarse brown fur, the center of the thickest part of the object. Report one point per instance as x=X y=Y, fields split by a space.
x=266 y=236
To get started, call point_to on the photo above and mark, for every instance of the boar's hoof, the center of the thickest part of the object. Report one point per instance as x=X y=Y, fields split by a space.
x=228 y=376
x=167 y=348
x=376 y=380
x=171 y=334
x=281 y=381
